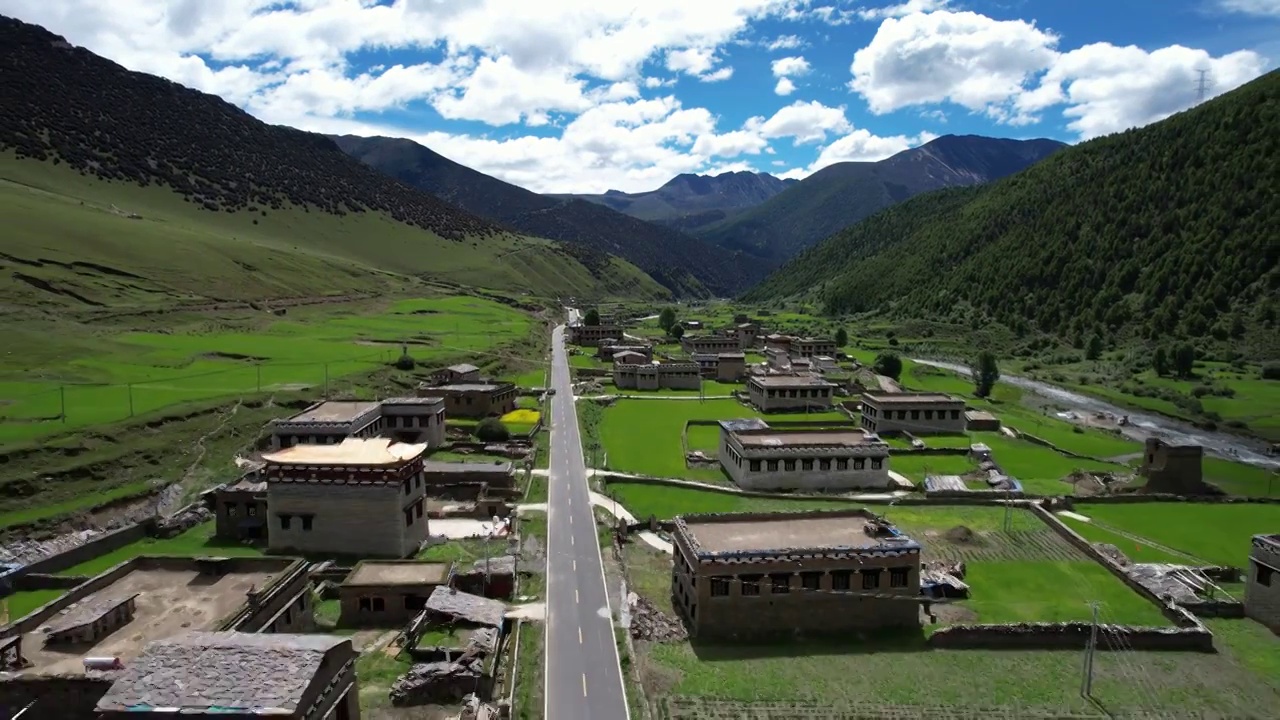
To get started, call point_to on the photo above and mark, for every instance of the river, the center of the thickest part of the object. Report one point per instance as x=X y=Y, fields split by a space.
x=1141 y=425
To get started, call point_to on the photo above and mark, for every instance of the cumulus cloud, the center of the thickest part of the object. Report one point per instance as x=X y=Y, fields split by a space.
x=805 y=122
x=790 y=66
x=785 y=42
x=1012 y=71
x=1265 y=8
x=907 y=8
x=784 y=86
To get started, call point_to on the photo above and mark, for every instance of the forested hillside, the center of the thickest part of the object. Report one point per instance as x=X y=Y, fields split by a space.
x=1168 y=230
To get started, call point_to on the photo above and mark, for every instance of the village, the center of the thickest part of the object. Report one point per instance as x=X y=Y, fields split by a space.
x=752 y=487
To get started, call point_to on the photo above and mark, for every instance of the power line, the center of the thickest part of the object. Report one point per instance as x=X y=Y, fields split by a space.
x=1203 y=84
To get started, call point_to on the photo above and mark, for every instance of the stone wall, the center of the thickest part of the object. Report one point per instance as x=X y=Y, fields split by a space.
x=41 y=581
x=37 y=617
x=1071 y=636
x=93 y=549
x=1045 y=443
x=1166 y=497
x=57 y=697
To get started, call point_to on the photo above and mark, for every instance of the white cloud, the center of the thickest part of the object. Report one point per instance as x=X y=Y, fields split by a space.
x=1252 y=7
x=786 y=42
x=806 y=122
x=693 y=61
x=1012 y=72
x=790 y=66
x=862 y=146
x=723 y=73
x=784 y=86
x=907 y=8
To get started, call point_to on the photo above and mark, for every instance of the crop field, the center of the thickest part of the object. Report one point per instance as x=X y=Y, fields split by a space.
x=916 y=466
x=644 y=436
x=114 y=376
x=710 y=388
x=1214 y=533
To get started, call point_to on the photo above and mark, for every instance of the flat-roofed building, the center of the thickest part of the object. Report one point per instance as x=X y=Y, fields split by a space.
x=1176 y=469
x=382 y=593
x=591 y=335
x=808 y=347
x=610 y=352
x=778 y=341
x=707 y=363
x=748 y=575
x=238 y=675
x=773 y=393
x=440 y=474
x=462 y=373
x=240 y=509
x=759 y=457
x=363 y=497
x=327 y=423
x=474 y=400
x=747 y=333
x=913 y=412
x=824 y=363
x=981 y=421
x=414 y=420
x=731 y=367
x=658 y=376
x=709 y=344
x=777 y=358
x=629 y=357
x=1262 y=582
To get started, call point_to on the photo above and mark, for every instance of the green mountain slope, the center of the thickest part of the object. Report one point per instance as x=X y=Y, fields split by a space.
x=842 y=194
x=118 y=187
x=1162 y=231
x=689 y=201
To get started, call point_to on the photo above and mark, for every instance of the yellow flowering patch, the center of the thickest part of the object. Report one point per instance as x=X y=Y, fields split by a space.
x=522 y=416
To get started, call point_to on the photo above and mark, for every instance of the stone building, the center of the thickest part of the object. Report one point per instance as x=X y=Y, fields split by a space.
x=389 y=593
x=474 y=400
x=609 y=353
x=1173 y=469
x=758 y=457
x=462 y=373
x=630 y=357
x=981 y=421
x=807 y=347
x=363 y=497
x=1262 y=586
x=731 y=367
x=778 y=341
x=591 y=335
x=713 y=344
x=748 y=575
x=778 y=359
x=440 y=474
x=747 y=333
x=240 y=509
x=662 y=376
x=773 y=393
x=405 y=419
x=89 y=621
x=238 y=675
x=913 y=412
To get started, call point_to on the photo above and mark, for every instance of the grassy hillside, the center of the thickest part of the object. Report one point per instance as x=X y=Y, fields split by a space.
x=1151 y=235
x=121 y=187
x=842 y=194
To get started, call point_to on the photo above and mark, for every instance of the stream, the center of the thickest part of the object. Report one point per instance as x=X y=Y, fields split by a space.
x=1142 y=425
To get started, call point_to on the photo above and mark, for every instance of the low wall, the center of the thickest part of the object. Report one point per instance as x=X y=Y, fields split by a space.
x=732 y=490
x=1166 y=497
x=95 y=548
x=1045 y=443
x=57 y=697
x=37 y=617
x=1071 y=636
x=41 y=581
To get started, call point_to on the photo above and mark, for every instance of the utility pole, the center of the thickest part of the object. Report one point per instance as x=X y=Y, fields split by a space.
x=1086 y=682
x=258 y=367
x=326 y=381
x=1202 y=84
x=62 y=406
x=129 y=387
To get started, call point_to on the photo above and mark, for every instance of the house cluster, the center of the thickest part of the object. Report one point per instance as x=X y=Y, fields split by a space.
x=465 y=394
x=747 y=576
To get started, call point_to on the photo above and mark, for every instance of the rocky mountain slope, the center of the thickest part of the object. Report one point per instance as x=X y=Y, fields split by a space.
x=688 y=202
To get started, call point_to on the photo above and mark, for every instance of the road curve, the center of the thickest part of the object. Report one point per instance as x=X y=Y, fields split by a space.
x=583 y=675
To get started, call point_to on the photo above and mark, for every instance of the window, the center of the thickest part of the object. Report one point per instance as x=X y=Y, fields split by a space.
x=284 y=521
x=870 y=579
x=898 y=576
x=719 y=586
x=379 y=605
x=811 y=580
x=928 y=414
x=1263 y=574
x=231 y=509
x=859 y=463
x=773 y=465
x=877 y=463
x=824 y=464
x=789 y=465
x=915 y=414
x=751 y=584
x=366 y=604
x=955 y=414
x=806 y=464
x=417 y=508
x=251 y=510
x=288 y=617
x=781 y=583
x=306 y=521
x=414 y=602
x=840 y=579
x=842 y=463
x=408 y=516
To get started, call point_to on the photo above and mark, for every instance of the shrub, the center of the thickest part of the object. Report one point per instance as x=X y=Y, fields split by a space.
x=1271 y=371
x=492 y=430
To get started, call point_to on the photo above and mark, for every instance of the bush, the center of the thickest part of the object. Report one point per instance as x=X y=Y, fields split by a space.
x=492 y=430
x=889 y=365
x=1271 y=371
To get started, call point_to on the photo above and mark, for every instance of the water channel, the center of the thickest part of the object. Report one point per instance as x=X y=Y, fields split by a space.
x=1142 y=425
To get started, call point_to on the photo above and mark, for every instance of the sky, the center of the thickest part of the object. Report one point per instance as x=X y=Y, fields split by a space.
x=591 y=95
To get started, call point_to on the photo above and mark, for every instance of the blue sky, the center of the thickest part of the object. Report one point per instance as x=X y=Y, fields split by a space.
x=580 y=96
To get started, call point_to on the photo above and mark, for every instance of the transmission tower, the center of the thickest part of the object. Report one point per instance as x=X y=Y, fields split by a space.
x=1203 y=83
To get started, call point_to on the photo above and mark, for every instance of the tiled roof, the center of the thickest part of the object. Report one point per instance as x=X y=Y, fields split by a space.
x=225 y=672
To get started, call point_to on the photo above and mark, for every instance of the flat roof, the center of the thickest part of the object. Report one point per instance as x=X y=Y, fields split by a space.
x=413 y=401
x=228 y=673
x=333 y=411
x=800 y=438
x=910 y=397
x=732 y=356
x=398 y=572
x=979 y=415
x=815 y=340
x=440 y=466
x=791 y=381
x=85 y=612
x=472 y=387
x=351 y=451
x=463 y=368
x=774 y=532
x=167 y=601
x=740 y=424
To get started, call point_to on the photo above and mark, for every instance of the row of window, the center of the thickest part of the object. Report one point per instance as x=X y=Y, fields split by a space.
x=780 y=583
x=412 y=421
x=373 y=603
x=806 y=464
x=233 y=509
x=286 y=520
x=823 y=392
x=413 y=512
x=412 y=483
x=915 y=414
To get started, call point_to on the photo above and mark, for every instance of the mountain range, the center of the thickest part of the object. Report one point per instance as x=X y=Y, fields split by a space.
x=688 y=202
x=1167 y=231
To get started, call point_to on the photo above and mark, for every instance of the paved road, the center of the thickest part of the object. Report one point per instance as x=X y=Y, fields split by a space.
x=583 y=677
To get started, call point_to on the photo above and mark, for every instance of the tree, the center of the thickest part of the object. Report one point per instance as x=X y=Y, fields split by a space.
x=1184 y=359
x=1160 y=362
x=842 y=337
x=676 y=331
x=985 y=373
x=666 y=319
x=888 y=364
x=492 y=430
x=592 y=317
x=1094 y=350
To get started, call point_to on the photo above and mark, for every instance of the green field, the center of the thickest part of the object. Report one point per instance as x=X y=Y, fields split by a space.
x=111 y=376
x=197 y=541
x=644 y=436
x=916 y=466
x=1215 y=533
x=176 y=251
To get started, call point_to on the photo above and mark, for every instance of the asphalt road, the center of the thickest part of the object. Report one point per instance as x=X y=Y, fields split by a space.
x=583 y=676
